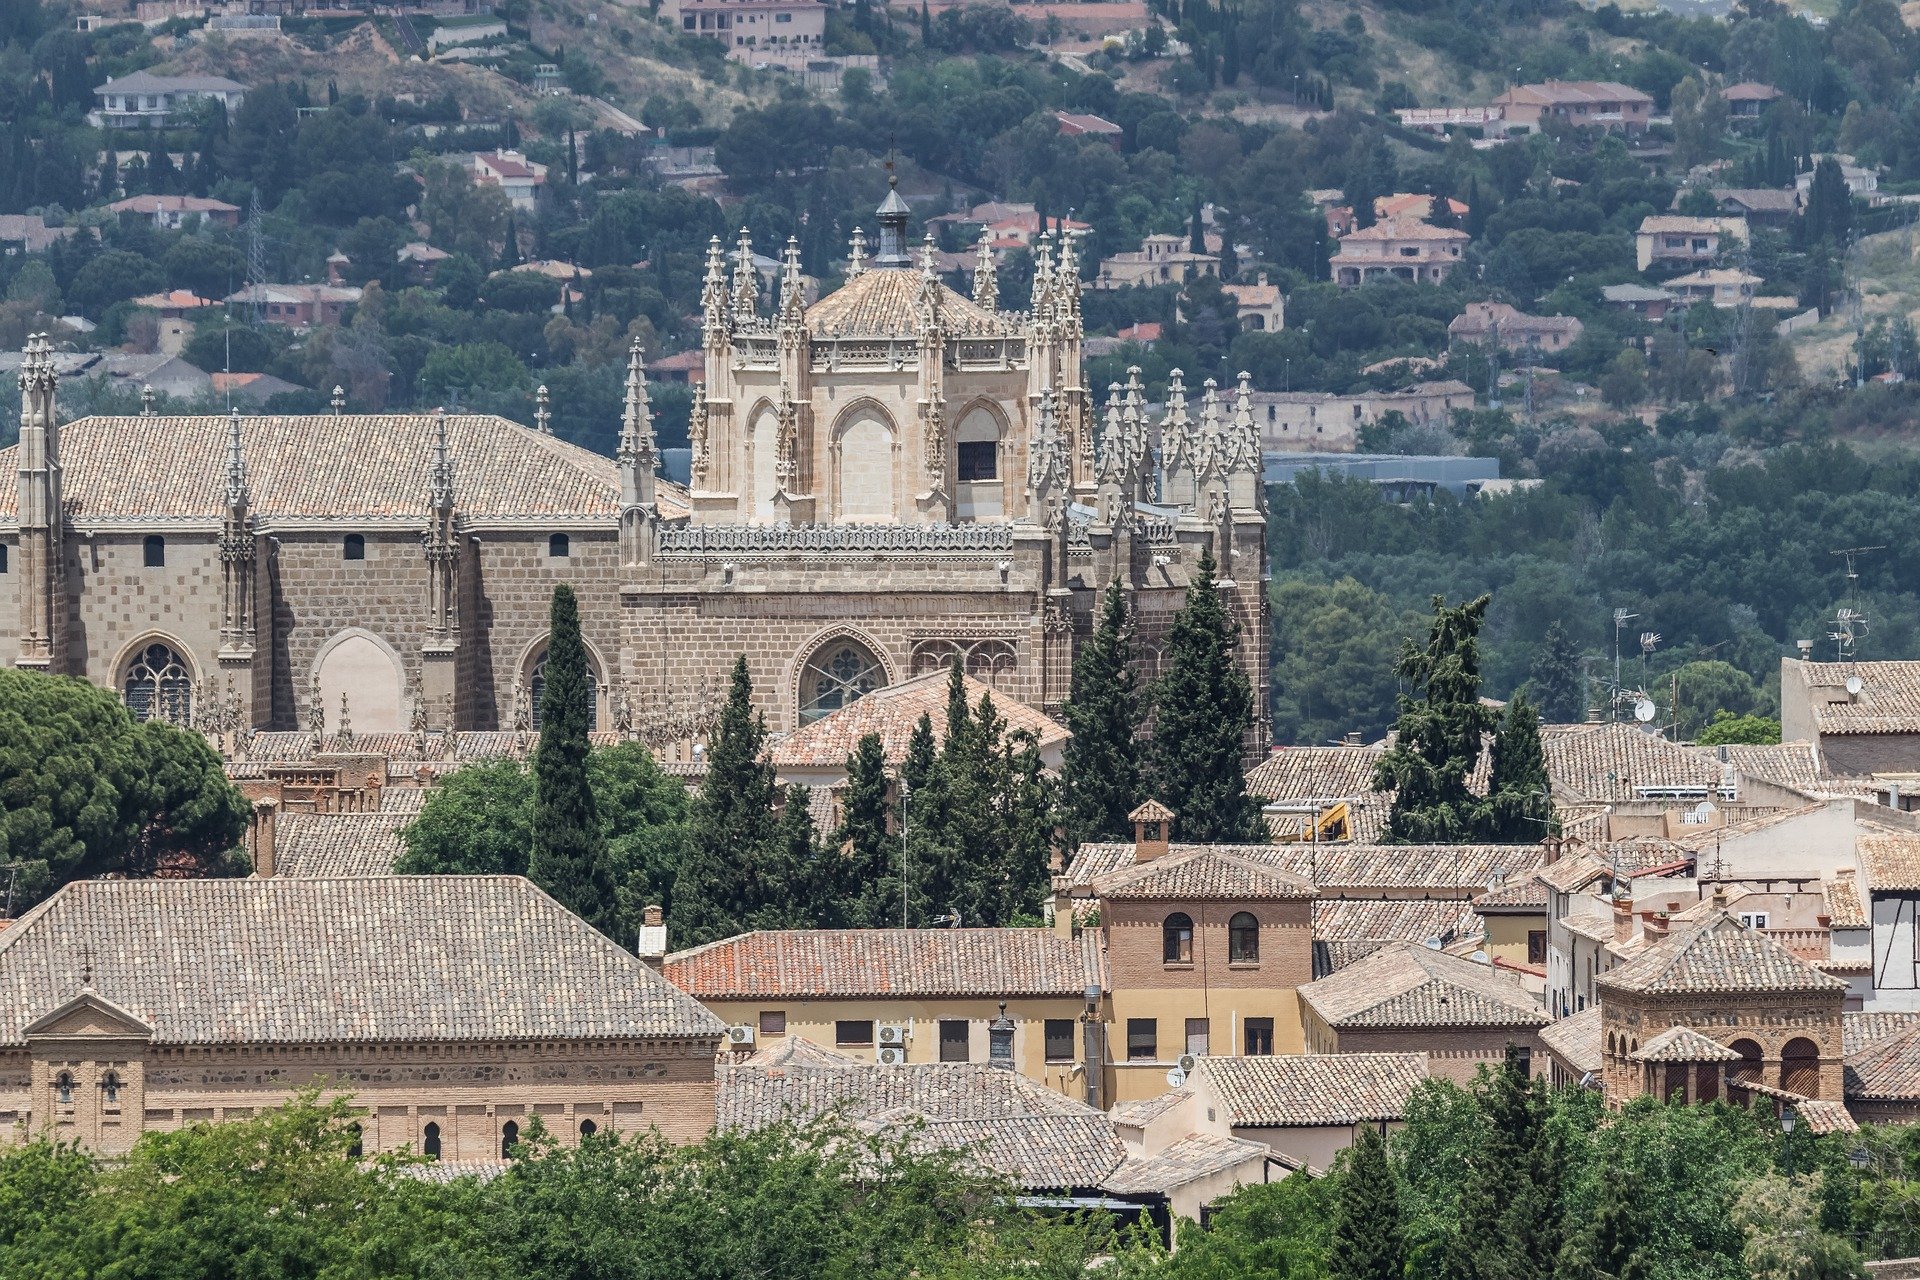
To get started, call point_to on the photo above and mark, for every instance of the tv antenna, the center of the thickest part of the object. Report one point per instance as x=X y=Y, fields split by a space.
x=1620 y=620
x=1853 y=555
x=1849 y=627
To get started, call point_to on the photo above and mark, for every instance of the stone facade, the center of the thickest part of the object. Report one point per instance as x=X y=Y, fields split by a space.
x=889 y=475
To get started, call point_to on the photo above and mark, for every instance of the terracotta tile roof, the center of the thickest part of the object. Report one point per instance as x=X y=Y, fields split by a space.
x=1207 y=873
x=892 y=713
x=1890 y=857
x=1382 y=921
x=819 y=964
x=1312 y=1089
x=152 y=204
x=286 y=961
x=1827 y=1117
x=1786 y=764
x=884 y=302
x=405 y=801
x=1760 y=199
x=1717 y=956
x=1358 y=870
x=1302 y=774
x=342 y=467
x=1862 y=1030
x=1391 y=229
x=1681 y=224
x=1142 y=1111
x=1409 y=985
x=1844 y=908
x=1521 y=894
x=1574 y=873
x=1610 y=761
x=1574 y=92
x=1040 y=1139
x=1750 y=91
x=1887 y=1070
x=1683 y=1044
x=1577 y=1040
x=1196 y=1156
x=328 y=845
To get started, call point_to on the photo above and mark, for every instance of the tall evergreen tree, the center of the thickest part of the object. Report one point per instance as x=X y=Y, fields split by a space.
x=1368 y=1238
x=1437 y=734
x=1196 y=229
x=1205 y=707
x=733 y=826
x=1829 y=209
x=868 y=868
x=1508 y=1225
x=924 y=811
x=1556 y=680
x=1610 y=1244
x=1100 y=776
x=1519 y=804
x=568 y=855
x=795 y=883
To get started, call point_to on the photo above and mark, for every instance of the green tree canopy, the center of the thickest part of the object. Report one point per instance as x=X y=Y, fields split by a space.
x=1437 y=737
x=1100 y=778
x=1204 y=712
x=568 y=856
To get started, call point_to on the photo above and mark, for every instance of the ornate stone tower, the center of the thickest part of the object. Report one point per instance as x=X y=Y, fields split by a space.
x=638 y=457
x=440 y=655
x=237 y=632
x=42 y=574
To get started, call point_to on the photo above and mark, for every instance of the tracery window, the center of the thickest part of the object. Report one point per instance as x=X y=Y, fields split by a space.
x=537 y=690
x=991 y=662
x=159 y=686
x=838 y=675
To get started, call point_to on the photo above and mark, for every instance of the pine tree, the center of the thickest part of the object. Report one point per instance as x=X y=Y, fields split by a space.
x=1205 y=707
x=867 y=874
x=1100 y=776
x=1521 y=810
x=1368 y=1240
x=568 y=856
x=1437 y=735
x=733 y=826
x=1556 y=681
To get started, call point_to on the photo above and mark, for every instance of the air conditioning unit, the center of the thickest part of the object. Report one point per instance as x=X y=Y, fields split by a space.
x=1187 y=1063
x=891 y=1056
x=893 y=1035
x=740 y=1036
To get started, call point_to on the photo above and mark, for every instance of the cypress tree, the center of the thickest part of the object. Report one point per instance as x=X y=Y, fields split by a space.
x=1100 y=776
x=1437 y=735
x=1555 y=678
x=867 y=875
x=1368 y=1240
x=794 y=887
x=733 y=827
x=568 y=856
x=1205 y=710
x=926 y=25
x=924 y=811
x=1027 y=850
x=1521 y=810
x=1196 y=232
x=1508 y=1220
x=1610 y=1245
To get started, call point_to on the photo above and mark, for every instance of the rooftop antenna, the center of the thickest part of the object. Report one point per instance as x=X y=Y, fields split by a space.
x=1620 y=620
x=1849 y=623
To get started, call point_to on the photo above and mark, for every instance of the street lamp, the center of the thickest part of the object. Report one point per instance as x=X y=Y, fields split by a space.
x=1860 y=1158
x=1788 y=1119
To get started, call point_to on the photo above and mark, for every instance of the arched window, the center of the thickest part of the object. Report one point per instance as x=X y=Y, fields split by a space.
x=154 y=551
x=838 y=674
x=430 y=1141
x=355 y=1140
x=1243 y=938
x=63 y=1088
x=537 y=692
x=353 y=547
x=158 y=686
x=588 y=1128
x=1176 y=939
x=1800 y=1067
x=559 y=546
x=509 y=1139
x=110 y=1089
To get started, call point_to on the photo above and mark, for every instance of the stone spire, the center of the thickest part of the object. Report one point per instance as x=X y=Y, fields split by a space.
x=713 y=290
x=986 y=279
x=636 y=458
x=41 y=579
x=1177 y=444
x=697 y=438
x=793 y=300
x=1066 y=287
x=857 y=254
x=1042 y=302
x=746 y=281
x=1244 y=464
x=440 y=469
x=1110 y=462
x=236 y=466
x=542 y=412
x=441 y=541
x=1048 y=474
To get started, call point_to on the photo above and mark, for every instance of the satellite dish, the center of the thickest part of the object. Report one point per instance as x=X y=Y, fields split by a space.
x=1176 y=1078
x=1644 y=710
x=1854 y=684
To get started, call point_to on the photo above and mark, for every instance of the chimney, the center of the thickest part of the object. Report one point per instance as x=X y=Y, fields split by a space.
x=1654 y=925
x=1152 y=831
x=260 y=836
x=1000 y=1041
x=1593 y=715
x=651 y=944
x=1352 y=738
x=1622 y=918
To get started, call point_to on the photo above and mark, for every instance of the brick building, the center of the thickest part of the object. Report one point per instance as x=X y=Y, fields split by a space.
x=893 y=473
x=453 y=1009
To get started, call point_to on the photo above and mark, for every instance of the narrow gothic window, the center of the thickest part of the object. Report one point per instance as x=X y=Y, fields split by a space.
x=159 y=687
x=354 y=547
x=430 y=1141
x=559 y=546
x=837 y=676
x=154 y=551
x=509 y=1139
x=537 y=691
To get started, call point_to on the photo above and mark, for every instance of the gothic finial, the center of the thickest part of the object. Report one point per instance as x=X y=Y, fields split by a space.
x=146 y=401
x=926 y=256
x=542 y=412
x=440 y=474
x=713 y=290
x=637 y=450
x=986 y=280
x=793 y=300
x=857 y=254
x=339 y=401
x=746 y=281
x=236 y=464
x=346 y=721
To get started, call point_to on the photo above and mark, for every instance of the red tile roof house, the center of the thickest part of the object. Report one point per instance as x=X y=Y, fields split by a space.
x=1074 y=125
x=523 y=180
x=170 y=213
